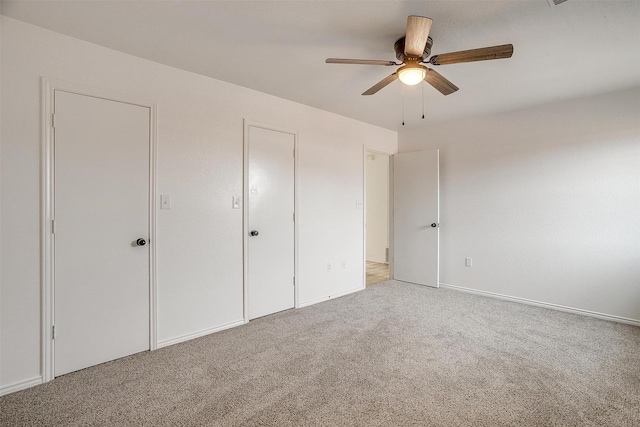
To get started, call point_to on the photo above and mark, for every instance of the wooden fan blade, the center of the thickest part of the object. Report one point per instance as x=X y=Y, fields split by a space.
x=382 y=83
x=482 y=54
x=443 y=85
x=359 y=61
x=418 y=28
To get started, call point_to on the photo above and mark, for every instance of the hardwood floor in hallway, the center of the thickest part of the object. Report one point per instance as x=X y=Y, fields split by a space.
x=377 y=272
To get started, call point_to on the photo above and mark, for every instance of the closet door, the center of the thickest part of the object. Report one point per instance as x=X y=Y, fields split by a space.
x=101 y=210
x=416 y=217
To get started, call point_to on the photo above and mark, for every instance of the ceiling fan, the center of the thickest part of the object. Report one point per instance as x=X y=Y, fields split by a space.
x=413 y=51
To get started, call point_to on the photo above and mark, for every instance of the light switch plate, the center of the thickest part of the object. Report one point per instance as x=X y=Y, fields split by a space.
x=358 y=204
x=236 y=202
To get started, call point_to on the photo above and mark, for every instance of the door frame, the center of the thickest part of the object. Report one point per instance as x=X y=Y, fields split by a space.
x=245 y=212
x=47 y=252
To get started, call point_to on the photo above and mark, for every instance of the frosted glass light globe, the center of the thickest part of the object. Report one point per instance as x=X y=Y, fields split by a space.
x=412 y=76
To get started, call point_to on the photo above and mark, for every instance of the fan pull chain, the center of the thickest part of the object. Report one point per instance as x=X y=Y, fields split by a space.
x=422 y=102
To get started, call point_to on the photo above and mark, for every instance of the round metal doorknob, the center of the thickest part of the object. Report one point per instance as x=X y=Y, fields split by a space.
x=141 y=242
x=253 y=233
x=434 y=225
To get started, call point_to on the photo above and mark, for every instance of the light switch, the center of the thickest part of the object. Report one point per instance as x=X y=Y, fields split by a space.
x=236 y=202
x=165 y=201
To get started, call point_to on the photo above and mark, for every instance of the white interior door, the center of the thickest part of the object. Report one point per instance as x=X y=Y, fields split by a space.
x=270 y=256
x=101 y=208
x=416 y=217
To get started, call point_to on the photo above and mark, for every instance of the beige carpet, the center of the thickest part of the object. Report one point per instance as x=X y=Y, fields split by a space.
x=392 y=355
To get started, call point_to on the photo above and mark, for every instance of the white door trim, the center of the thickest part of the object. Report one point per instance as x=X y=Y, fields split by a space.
x=392 y=237
x=48 y=86
x=245 y=211
x=364 y=216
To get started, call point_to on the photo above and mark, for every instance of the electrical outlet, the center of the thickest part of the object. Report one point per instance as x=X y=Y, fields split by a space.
x=328 y=266
x=468 y=262
x=344 y=264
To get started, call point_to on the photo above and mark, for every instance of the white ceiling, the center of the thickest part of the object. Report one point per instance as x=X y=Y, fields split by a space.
x=572 y=50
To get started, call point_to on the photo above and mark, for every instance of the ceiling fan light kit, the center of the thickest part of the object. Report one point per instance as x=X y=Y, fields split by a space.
x=414 y=49
x=412 y=74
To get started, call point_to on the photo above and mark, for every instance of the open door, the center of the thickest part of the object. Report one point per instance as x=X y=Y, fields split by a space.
x=101 y=204
x=416 y=217
x=270 y=220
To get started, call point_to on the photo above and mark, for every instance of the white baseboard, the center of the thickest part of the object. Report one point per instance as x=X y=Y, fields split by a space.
x=341 y=294
x=20 y=385
x=545 y=305
x=198 y=334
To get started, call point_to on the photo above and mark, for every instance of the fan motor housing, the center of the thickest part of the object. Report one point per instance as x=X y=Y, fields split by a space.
x=399 y=48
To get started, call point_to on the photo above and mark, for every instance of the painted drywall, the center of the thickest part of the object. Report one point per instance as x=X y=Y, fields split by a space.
x=546 y=201
x=377 y=180
x=200 y=153
x=0 y=190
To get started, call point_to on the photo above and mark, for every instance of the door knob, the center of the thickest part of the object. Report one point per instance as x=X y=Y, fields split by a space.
x=253 y=233
x=434 y=225
x=141 y=242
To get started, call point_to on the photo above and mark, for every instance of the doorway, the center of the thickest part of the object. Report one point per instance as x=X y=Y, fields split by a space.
x=269 y=221
x=100 y=229
x=377 y=217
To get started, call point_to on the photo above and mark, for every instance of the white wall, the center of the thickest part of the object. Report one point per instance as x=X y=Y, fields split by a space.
x=0 y=192
x=200 y=141
x=377 y=179
x=546 y=201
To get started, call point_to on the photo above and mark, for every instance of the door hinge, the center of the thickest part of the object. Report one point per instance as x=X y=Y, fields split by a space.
x=53 y=120
x=53 y=226
x=294 y=216
x=53 y=332
x=294 y=152
x=294 y=280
